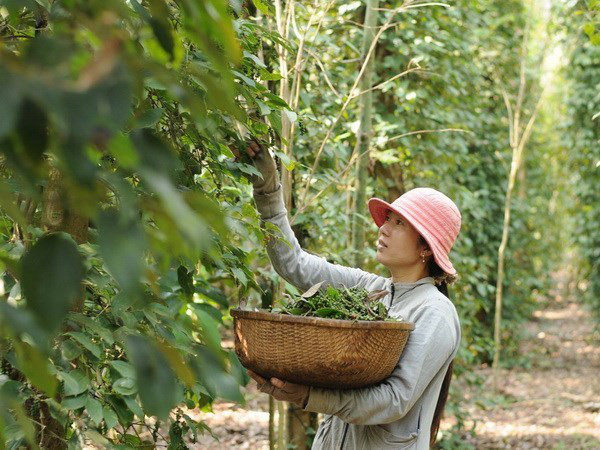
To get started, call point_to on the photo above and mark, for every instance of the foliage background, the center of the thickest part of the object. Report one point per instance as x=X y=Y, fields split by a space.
x=128 y=230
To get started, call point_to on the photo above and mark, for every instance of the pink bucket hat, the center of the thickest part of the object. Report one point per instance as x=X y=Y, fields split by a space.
x=433 y=215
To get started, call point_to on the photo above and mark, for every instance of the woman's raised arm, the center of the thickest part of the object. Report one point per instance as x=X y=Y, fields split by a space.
x=298 y=267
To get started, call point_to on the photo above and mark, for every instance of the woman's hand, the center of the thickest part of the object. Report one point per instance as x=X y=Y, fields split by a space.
x=282 y=390
x=264 y=163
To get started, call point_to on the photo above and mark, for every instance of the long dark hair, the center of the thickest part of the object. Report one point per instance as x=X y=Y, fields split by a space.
x=436 y=271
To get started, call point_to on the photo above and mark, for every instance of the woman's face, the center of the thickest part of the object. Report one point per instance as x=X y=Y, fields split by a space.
x=398 y=244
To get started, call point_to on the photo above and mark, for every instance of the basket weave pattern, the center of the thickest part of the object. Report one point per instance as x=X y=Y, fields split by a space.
x=318 y=352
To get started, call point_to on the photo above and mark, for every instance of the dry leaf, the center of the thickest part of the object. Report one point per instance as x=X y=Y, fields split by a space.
x=312 y=291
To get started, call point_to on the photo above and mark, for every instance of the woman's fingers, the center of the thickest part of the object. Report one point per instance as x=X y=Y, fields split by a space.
x=235 y=151
x=277 y=383
x=256 y=377
x=252 y=149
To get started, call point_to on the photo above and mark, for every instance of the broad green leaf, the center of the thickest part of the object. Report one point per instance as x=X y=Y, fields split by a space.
x=177 y=363
x=291 y=115
x=215 y=295
x=240 y=275
x=52 y=271
x=25 y=424
x=10 y=92
x=122 y=245
x=70 y=349
x=153 y=375
x=186 y=280
x=94 y=326
x=164 y=35
x=124 y=368
x=94 y=409
x=262 y=6
x=125 y=386
x=328 y=312
x=190 y=223
x=32 y=129
x=21 y=321
x=110 y=417
x=123 y=150
x=209 y=328
x=149 y=118
x=87 y=343
x=35 y=366
x=74 y=402
x=75 y=382
x=134 y=407
x=155 y=154
x=211 y=371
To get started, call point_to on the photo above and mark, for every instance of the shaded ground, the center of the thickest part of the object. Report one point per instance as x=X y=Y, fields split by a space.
x=551 y=403
x=555 y=401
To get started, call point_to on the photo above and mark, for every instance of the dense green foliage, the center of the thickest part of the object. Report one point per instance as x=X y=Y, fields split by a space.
x=127 y=230
x=582 y=139
x=337 y=303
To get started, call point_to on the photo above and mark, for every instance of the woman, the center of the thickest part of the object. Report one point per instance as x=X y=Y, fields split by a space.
x=416 y=233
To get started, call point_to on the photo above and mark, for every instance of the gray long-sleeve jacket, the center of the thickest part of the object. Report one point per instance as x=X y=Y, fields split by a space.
x=397 y=412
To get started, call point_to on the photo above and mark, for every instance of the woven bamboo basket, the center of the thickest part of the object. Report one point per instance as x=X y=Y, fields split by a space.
x=332 y=353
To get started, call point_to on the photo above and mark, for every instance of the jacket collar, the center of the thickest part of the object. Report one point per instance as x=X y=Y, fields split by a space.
x=399 y=289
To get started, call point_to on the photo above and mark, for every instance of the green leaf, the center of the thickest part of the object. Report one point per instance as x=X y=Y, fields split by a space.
x=134 y=407
x=177 y=363
x=122 y=245
x=150 y=117
x=123 y=150
x=155 y=154
x=209 y=328
x=218 y=382
x=327 y=312
x=124 y=368
x=164 y=35
x=87 y=343
x=254 y=58
x=189 y=223
x=186 y=280
x=70 y=350
x=52 y=272
x=125 y=386
x=240 y=275
x=21 y=321
x=75 y=382
x=153 y=375
x=32 y=129
x=94 y=326
x=262 y=7
x=35 y=367
x=264 y=109
x=25 y=424
x=291 y=115
x=10 y=93
x=110 y=417
x=215 y=295
x=94 y=409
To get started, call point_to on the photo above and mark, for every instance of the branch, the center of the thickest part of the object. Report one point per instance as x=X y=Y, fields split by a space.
x=395 y=77
x=400 y=136
x=355 y=156
x=345 y=105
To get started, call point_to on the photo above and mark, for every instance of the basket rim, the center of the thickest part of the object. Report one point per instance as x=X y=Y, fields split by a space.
x=238 y=313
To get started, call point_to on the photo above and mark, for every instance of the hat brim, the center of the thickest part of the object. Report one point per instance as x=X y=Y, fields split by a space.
x=379 y=208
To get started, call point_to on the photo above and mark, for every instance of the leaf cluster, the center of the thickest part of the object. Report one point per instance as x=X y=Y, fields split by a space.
x=338 y=303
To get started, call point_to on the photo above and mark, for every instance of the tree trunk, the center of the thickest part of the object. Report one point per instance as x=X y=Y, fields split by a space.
x=365 y=133
x=56 y=216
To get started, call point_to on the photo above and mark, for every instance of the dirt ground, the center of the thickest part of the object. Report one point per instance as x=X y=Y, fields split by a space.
x=551 y=403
